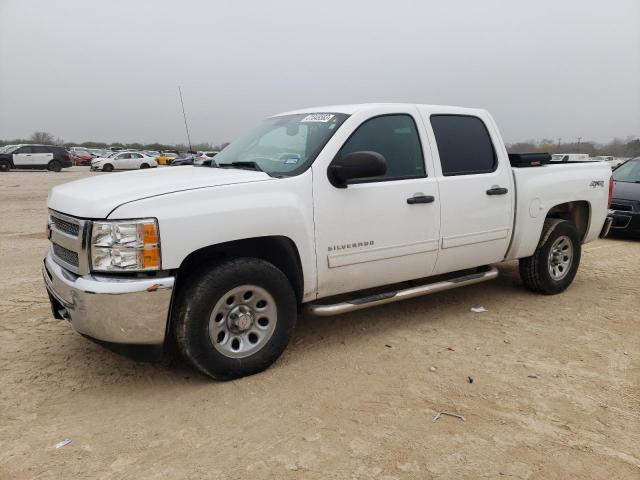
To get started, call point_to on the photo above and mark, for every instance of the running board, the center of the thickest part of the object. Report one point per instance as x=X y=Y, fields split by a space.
x=327 y=310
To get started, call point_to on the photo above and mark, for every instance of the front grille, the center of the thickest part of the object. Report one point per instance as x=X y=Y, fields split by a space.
x=68 y=241
x=65 y=255
x=66 y=227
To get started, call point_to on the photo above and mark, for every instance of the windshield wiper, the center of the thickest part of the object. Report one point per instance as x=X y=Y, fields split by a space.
x=244 y=165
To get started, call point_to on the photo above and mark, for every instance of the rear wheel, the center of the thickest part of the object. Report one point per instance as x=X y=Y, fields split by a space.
x=554 y=264
x=107 y=168
x=5 y=165
x=234 y=319
x=54 y=166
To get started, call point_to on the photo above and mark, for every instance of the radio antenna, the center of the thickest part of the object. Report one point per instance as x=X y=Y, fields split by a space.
x=184 y=115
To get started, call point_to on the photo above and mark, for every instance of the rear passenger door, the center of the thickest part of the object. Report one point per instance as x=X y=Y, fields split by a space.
x=476 y=191
x=41 y=155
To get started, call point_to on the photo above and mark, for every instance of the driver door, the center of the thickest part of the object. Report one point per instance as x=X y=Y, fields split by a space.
x=121 y=161
x=372 y=232
x=22 y=157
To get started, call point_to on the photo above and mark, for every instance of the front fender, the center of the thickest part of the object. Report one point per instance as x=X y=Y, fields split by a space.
x=195 y=219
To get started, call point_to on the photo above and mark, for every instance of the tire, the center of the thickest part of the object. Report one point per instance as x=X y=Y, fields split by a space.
x=54 y=166
x=213 y=324
x=107 y=167
x=5 y=165
x=554 y=264
x=144 y=165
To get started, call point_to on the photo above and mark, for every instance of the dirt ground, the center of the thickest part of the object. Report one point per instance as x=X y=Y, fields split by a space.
x=555 y=391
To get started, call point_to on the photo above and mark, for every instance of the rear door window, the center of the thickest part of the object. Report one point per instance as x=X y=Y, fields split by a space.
x=464 y=145
x=41 y=149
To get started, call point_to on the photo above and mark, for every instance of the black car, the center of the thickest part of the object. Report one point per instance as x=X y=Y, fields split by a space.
x=625 y=203
x=183 y=159
x=35 y=157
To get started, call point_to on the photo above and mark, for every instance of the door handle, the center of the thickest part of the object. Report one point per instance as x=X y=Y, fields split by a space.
x=420 y=199
x=27 y=154
x=497 y=191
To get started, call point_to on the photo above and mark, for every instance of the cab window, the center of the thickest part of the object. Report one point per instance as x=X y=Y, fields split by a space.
x=464 y=145
x=396 y=138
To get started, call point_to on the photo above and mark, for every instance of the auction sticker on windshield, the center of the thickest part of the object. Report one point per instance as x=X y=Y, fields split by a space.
x=318 y=117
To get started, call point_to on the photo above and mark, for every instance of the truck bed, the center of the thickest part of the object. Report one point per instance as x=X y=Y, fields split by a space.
x=540 y=188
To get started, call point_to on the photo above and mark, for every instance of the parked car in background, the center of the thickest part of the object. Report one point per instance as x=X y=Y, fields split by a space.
x=165 y=158
x=625 y=204
x=151 y=153
x=6 y=148
x=81 y=157
x=48 y=157
x=572 y=157
x=204 y=156
x=123 y=161
x=183 y=160
x=96 y=152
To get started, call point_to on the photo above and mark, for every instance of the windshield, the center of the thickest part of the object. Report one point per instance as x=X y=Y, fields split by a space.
x=284 y=145
x=628 y=172
x=8 y=148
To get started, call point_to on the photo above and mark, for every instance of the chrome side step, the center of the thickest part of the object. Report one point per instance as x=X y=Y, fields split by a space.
x=397 y=295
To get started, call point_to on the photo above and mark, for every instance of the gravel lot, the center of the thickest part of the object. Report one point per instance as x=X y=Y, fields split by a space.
x=555 y=392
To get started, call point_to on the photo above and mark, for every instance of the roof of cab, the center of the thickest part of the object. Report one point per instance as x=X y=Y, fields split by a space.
x=350 y=109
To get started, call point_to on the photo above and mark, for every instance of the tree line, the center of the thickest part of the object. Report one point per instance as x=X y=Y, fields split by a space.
x=617 y=147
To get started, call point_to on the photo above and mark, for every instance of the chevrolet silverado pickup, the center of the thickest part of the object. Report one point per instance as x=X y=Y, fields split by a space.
x=322 y=210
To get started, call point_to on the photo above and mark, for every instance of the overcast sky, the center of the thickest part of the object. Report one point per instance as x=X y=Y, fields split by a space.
x=109 y=70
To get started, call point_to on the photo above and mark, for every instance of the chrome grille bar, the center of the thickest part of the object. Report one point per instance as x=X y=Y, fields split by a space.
x=68 y=236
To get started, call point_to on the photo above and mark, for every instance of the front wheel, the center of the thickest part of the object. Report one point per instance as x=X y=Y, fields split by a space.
x=107 y=168
x=554 y=264
x=234 y=319
x=144 y=165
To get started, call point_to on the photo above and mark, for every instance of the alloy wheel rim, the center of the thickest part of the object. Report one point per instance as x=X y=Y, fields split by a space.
x=560 y=257
x=242 y=321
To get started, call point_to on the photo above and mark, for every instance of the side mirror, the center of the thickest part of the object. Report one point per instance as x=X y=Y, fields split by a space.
x=354 y=166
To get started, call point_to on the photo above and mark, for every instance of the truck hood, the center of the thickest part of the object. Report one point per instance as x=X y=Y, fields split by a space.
x=97 y=196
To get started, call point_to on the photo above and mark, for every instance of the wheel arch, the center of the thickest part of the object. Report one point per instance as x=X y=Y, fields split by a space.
x=578 y=212
x=281 y=251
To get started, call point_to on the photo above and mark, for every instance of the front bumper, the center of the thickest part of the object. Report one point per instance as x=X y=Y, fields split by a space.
x=109 y=308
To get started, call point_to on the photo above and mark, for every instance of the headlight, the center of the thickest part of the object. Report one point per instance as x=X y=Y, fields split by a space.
x=130 y=245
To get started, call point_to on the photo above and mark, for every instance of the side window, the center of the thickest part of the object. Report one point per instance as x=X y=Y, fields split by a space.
x=464 y=145
x=40 y=149
x=136 y=155
x=123 y=156
x=395 y=137
x=25 y=149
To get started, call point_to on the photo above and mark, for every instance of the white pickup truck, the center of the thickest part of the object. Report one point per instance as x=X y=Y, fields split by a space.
x=326 y=210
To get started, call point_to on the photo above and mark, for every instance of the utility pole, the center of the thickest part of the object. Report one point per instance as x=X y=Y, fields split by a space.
x=184 y=115
x=579 y=140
